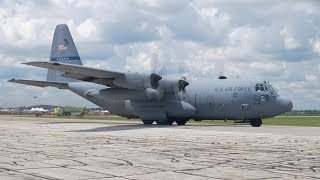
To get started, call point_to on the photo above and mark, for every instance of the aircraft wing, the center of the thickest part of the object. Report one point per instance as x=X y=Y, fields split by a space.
x=82 y=73
x=59 y=85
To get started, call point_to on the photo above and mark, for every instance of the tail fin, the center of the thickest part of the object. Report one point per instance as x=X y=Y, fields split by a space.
x=63 y=50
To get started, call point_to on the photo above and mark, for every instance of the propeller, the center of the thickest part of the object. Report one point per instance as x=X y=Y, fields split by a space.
x=157 y=71
x=182 y=83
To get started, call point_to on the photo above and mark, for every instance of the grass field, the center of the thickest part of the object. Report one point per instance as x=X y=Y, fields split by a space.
x=307 y=121
x=311 y=121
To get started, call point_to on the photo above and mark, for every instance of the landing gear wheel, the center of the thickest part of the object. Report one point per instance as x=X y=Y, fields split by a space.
x=255 y=122
x=147 y=122
x=169 y=122
x=181 y=122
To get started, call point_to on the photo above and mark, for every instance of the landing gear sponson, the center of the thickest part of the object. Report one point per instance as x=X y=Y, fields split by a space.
x=180 y=122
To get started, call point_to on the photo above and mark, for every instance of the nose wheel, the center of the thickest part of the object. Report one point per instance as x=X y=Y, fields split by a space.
x=255 y=122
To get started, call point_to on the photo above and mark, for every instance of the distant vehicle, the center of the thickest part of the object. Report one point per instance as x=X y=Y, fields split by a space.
x=70 y=111
x=150 y=97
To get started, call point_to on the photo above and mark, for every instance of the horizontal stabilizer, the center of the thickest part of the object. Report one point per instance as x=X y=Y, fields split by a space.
x=82 y=73
x=40 y=83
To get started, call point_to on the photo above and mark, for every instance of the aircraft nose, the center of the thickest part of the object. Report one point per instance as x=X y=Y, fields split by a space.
x=285 y=104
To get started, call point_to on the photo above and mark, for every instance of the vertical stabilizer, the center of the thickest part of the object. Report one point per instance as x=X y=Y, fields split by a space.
x=63 y=50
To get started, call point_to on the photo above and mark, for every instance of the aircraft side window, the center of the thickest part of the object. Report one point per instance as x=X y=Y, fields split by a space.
x=259 y=87
x=262 y=87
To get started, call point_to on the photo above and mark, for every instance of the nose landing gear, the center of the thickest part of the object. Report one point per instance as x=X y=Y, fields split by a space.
x=255 y=122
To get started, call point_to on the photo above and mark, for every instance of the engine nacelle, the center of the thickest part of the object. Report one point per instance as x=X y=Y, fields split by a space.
x=138 y=81
x=125 y=94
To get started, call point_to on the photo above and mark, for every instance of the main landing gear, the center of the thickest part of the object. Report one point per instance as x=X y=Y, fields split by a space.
x=180 y=122
x=255 y=122
x=147 y=122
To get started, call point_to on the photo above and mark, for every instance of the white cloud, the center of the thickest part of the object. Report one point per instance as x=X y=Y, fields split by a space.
x=288 y=39
x=88 y=31
x=263 y=66
x=243 y=36
x=311 y=77
x=207 y=37
x=138 y=62
x=316 y=46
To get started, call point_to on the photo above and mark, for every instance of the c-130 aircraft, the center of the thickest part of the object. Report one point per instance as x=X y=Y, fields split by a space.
x=151 y=98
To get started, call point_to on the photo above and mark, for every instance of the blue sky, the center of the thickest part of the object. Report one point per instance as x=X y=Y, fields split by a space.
x=277 y=41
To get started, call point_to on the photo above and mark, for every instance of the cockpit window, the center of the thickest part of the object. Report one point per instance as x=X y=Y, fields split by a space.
x=273 y=91
x=261 y=87
x=266 y=87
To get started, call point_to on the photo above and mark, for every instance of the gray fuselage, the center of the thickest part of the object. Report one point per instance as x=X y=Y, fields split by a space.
x=220 y=99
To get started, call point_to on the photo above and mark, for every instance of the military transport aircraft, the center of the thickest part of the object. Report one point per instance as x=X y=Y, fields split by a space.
x=151 y=98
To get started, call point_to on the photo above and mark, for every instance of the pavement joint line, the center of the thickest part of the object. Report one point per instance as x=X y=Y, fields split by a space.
x=30 y=174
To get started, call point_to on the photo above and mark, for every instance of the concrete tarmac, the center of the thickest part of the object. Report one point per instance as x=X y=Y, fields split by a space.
x=41 y=148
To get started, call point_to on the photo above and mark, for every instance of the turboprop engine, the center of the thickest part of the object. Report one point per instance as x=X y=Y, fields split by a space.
x=138 y=81
x=140 y=87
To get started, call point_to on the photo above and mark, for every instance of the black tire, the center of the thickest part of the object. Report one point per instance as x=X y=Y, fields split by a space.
x=255 y=122
x=181 y=122
x=258 y=122
x=147 y=122
x=169 y=122
x=161 y=122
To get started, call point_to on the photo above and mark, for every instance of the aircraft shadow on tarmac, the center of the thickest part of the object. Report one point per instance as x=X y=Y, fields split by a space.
x=141 y=126
x=121 y=128
x=91 y=122
x=133 y=126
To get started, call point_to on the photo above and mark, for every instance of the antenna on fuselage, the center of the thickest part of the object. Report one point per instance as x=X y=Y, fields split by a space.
x=221 y=76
